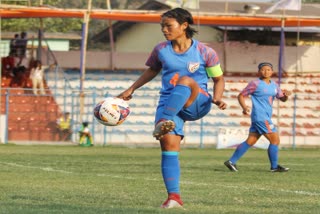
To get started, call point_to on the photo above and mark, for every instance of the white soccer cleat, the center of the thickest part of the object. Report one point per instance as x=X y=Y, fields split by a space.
x=173 y=201
x=162 y=128
x=168 y=204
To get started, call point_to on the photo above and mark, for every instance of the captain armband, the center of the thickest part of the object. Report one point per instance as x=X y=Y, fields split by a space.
x=214 y=71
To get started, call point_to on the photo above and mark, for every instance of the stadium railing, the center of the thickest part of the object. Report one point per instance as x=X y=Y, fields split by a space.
x=298 y=117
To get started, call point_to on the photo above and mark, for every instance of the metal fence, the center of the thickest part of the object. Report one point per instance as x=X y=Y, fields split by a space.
x=27 y=118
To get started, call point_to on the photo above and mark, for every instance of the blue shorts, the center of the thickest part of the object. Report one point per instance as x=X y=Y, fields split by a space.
x=263 y=127
x=198 y=109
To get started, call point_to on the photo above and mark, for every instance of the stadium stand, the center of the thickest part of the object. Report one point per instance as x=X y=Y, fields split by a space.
x=143 y=106
x=25 y=112
x=298 y=117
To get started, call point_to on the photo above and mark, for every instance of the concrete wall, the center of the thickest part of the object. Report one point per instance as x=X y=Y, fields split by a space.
x=102 y=60
x=143 y=37
x=237 y=57
x=244 y=57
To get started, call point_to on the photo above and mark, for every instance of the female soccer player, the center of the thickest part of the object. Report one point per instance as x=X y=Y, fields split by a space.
x=263 y=91
x=186 y=66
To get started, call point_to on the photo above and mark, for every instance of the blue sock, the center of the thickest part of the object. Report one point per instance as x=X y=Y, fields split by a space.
x=273 y=155
x=178 y=98
x=171 y=171
x=241 y=149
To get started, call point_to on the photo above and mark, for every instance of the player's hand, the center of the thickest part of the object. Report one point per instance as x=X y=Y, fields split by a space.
x=221 y=105
x=126 y=95
x=286 y=93
x=246 y=111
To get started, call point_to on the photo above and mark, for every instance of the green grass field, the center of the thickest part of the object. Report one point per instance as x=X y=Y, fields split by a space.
x=72 y=179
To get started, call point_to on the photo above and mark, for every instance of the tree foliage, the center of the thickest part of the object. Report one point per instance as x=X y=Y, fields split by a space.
x=62 y=25
x=49 y=25
x=65 y=25
x=311 y=1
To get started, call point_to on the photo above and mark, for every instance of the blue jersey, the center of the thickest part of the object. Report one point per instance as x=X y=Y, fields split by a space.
x=262 y=96
x=192 y=63
x=174 y=65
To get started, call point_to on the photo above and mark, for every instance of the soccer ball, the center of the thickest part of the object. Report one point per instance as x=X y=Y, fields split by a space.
x=111 y=111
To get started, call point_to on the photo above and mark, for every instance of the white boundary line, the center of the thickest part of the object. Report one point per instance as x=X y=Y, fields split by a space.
x=49 y=169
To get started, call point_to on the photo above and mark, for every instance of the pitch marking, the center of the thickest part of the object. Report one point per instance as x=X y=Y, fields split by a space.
x=49 y=169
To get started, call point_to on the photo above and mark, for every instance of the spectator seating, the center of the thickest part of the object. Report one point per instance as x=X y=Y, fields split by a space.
x=301 y=110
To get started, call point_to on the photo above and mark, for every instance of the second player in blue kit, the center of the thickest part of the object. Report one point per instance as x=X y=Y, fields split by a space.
x=263 y=91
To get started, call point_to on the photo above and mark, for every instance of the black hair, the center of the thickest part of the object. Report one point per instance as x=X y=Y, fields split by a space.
x=182 y=15
x=22 y=68
x=265 y=64
x=23 y=34
x=37 y=63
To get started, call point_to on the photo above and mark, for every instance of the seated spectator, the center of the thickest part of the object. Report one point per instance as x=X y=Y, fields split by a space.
x=19 y=77
x=64 y=127
x=24 y=62
x=85 y=137
x=7 y=66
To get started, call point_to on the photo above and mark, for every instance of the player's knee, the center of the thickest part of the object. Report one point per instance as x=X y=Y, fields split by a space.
x=170 y=143
x=185 y=80
x=251 y=143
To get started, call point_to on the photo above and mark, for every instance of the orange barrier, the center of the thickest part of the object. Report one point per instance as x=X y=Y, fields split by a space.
x=222 y=20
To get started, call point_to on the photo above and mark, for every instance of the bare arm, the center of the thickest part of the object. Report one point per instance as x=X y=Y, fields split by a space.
x=242 y=102
x=147 y=76
x=218 y=89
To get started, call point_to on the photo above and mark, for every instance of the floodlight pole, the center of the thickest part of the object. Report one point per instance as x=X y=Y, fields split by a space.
x=111 y=39
x=85 y=27
x=40 y=31
x=280 y=63
x=1 y=140
x=298 y=66
x=225 y=38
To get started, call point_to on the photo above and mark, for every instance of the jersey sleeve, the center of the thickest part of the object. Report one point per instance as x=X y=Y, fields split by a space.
x=211 y=60
x=153 y=60
x=250 y=88
x=209 y=55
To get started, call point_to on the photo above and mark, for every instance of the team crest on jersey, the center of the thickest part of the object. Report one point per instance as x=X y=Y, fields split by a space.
x=193 y=66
